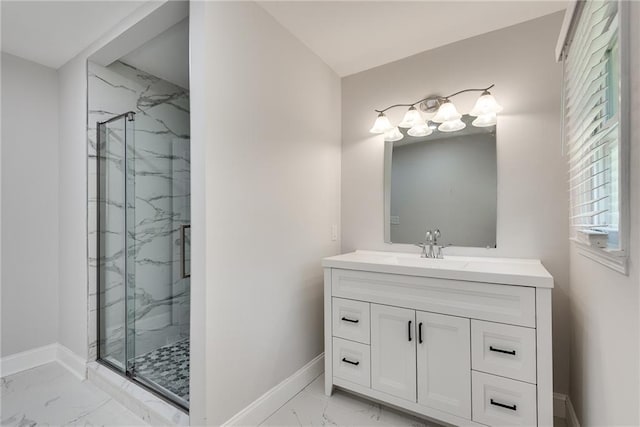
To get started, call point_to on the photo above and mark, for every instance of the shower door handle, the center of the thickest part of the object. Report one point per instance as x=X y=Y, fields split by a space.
x=183 y=251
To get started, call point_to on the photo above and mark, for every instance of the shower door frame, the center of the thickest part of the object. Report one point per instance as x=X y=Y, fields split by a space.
x=128 y=371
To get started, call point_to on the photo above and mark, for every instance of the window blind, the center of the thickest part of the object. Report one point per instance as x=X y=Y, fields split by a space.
x=591 y=119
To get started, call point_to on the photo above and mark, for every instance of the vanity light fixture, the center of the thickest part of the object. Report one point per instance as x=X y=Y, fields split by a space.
x=447 y=112
x=393 y=135
x=440 y=111
x=485 y=109
x=449 y=116
x=485 y=120
x=486 y=104
x=382 y=124
x=411 y=118
x=452 y=126
x=421 y=129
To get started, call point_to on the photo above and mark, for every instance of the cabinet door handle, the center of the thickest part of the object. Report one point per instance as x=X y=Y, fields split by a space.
x=420 y=332
x=502 y=405
x=346 y=319
x=409 y=329
x=344 y=359
x=499 y=350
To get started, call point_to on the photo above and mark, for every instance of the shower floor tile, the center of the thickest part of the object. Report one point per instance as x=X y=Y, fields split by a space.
x=167 y=366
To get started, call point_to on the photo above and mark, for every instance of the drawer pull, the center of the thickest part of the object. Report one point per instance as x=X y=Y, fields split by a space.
x=409 y=329
x=499 y=350
x=346 y=319
x=502 y=405
x=344 y=359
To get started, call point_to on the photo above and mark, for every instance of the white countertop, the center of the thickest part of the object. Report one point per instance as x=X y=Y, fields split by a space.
x=508 y=271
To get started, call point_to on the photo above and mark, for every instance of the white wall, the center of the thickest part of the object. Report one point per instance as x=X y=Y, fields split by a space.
x=532 y=182
x=268 y=180
x=72 y=196
x=29 y=205
x=199 y=33
x=605 y=306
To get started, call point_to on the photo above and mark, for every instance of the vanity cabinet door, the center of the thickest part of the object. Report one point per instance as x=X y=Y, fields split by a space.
x=444 y=367
x=393 y=351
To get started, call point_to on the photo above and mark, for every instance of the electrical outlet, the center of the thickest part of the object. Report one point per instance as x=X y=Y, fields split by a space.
x=395 y=220
x=334 y=232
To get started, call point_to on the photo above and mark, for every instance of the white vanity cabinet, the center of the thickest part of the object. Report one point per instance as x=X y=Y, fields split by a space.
x=464 y=341
x=393 y=351
x=444 y=368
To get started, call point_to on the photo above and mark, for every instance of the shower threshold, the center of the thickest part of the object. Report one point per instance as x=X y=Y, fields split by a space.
x=146 y=401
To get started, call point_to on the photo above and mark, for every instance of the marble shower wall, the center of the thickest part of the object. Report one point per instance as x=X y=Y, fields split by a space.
x=158 y=172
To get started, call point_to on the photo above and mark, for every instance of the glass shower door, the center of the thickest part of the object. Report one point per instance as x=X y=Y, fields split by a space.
x=143 y=254
x=115 y=203
x=161 y=305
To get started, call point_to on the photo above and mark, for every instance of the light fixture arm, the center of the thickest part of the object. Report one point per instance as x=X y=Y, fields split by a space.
x=470 y=90
x=441 y=98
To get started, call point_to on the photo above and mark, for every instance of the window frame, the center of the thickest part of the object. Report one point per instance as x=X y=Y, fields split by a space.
x=615 y=259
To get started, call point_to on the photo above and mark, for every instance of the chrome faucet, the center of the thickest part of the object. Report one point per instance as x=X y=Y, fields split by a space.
x=430 y=248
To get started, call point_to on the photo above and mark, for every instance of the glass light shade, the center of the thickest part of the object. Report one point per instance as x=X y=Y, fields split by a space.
x=452 y=125
x=446 y=113
x=421 y=129
x=486 y=104
x=429 y=115
x=381 y=125
x=411 y=118
x=393 y=135
x=485 y=120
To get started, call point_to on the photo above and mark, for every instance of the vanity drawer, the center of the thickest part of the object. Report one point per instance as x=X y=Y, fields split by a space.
x=500 y=401
x=505 y=350
x=352 y=361
x=351 y=320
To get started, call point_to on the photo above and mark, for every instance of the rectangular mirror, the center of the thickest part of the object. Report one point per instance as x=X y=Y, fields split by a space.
x=445 y=181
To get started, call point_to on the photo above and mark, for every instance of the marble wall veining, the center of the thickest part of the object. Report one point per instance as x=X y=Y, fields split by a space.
x=157 y=168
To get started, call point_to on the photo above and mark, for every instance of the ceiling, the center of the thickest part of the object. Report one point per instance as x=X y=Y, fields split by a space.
x=152 y=56
x=53 y=32
x=353 y=36
x=350 y=36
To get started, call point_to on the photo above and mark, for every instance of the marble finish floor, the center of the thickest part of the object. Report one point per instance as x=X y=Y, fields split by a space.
x=50 y=395
x=311 y=407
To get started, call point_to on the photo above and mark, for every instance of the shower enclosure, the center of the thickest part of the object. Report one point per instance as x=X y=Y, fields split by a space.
x=143 y=247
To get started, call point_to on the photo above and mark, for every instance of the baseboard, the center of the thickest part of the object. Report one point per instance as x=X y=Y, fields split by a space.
x=24 y=360
x=74 y=363
x=563 y=408
x=572 y=418
x=560 y=405
x=274 y=399
x=29 y=359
